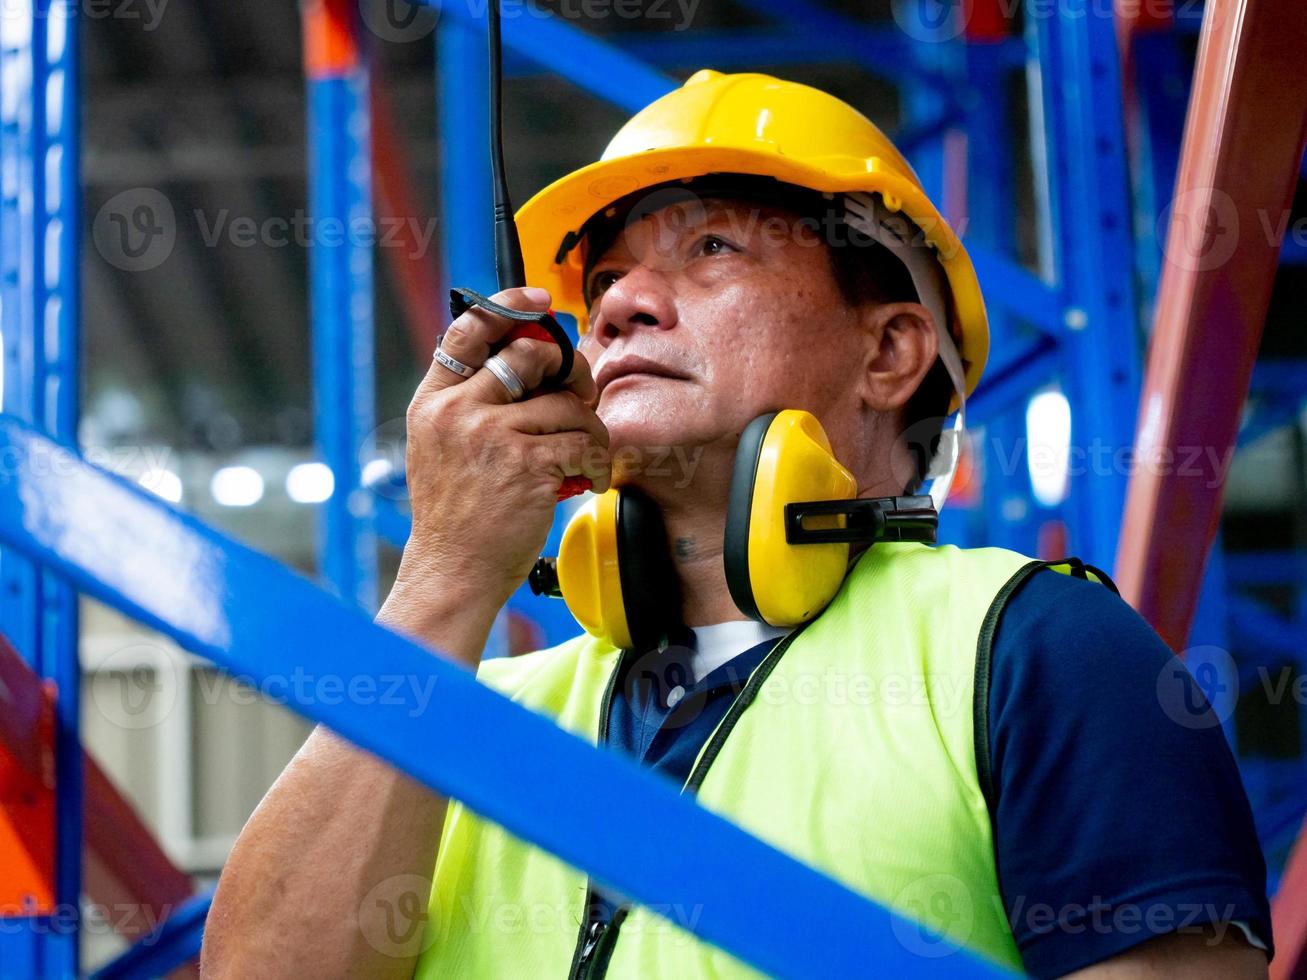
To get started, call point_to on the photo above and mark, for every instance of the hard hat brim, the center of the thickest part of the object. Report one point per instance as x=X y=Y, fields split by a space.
x=547 y=220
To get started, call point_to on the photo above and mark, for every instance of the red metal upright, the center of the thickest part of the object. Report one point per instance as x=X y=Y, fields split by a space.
x=125 y=868
x=406 y=246
x=1289 y=917
x=1242 y=148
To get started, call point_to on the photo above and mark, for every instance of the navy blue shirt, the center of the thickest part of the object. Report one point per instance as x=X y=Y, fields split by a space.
x=1119 y=813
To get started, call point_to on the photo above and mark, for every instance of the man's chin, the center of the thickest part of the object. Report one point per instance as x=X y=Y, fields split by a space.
x=652 y=456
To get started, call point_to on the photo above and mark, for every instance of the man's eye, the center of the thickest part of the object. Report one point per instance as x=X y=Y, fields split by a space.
x=712 y=245
x=601 y=281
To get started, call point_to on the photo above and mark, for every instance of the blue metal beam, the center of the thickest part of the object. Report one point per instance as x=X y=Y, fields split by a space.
x=1081 y=128
x=1017 y=291
x=174 y=943
x=1013 y=377
x=879 y=54
x=40 y=229
x=595 y=66
x=1264 y=630
x=1267 y=415
x=1286 y=377
x=1010 y=292
x=341 y=315
x=1161 y=83
x=1247 y=569
x=230 y=604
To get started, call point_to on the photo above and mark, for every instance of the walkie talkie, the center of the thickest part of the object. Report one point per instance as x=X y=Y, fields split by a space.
x=509 y=268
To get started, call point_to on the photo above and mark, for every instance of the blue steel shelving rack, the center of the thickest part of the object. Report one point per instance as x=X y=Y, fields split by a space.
x=1074 y=321
x=40 y=227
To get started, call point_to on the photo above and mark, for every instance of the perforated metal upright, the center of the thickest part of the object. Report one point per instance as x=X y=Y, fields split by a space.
x=40 y=225
x=1092 y=249
x=341 y=289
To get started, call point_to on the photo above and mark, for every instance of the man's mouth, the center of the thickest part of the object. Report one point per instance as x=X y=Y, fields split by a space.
x=633 y=366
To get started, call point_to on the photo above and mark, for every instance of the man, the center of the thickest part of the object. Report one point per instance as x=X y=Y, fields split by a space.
x=1005 y=753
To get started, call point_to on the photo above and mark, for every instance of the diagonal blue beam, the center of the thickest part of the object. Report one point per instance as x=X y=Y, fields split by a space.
x=228 y=603
x=596 y=66
x=1009 y=382
x=1249 y=569
x=173 y=944
x=1017 y=290
x=1264 y=629
x=882 y=51
x=1267 y=414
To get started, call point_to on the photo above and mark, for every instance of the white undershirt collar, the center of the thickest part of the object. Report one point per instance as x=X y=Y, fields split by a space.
x=722 y=642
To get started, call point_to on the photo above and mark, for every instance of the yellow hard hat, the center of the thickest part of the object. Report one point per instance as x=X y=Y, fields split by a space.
x=746 y=124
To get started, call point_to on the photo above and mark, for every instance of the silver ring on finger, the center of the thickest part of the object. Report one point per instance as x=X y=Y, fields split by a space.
x=507 y=376
x=453 y=363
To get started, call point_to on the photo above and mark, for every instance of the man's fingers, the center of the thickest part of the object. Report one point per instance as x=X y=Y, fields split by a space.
x=582 y=381
x=531 y=360
x=558 y=411
x=574 y=453
x=470 y=337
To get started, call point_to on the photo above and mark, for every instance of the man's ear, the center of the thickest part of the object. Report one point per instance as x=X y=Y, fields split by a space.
x=902 y=345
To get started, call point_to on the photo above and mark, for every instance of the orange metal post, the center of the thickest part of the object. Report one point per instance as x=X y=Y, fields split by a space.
x=1242 y=148
x=1289 y=917
x=125 y=869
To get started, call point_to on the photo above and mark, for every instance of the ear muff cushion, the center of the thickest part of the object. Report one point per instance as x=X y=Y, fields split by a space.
x=739 y=507
x=782 y=458
x=589 y=572
x=651 y=593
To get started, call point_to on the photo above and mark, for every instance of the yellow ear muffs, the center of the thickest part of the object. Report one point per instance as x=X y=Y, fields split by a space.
x=783 y=457
x=792 y=514
x=615 y=572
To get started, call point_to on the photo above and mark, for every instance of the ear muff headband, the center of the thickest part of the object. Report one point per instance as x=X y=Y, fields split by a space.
x=588 y=569
x=615 y=571
x=651 y=592
x=739 y=511
x=869 y=215
x=783 y=458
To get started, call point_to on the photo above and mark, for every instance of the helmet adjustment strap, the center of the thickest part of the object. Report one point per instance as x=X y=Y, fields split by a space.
x=869 y=214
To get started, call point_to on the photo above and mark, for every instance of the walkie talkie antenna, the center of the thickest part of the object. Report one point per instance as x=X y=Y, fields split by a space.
x=510 y=270
x=508 y=247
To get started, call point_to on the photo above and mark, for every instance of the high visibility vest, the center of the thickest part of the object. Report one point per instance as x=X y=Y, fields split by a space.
x=857 y=755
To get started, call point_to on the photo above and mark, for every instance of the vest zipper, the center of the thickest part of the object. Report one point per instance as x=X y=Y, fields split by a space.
x=590 y=933
x=595 y=942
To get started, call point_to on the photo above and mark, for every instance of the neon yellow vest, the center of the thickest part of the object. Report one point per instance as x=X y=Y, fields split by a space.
x=856 y=756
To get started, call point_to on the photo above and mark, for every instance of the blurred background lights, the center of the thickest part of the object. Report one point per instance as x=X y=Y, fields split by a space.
x=1048 y=443
x=237 y=486
x=162 y=483
x=310 y=483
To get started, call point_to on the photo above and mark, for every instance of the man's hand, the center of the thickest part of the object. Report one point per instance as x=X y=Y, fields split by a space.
x=298 y=897
x=483 y=471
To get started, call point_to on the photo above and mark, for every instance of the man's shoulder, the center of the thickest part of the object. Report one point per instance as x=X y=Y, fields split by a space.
x=514 y=675
x=939 y=579
x=942 y=563
x=1074 y=626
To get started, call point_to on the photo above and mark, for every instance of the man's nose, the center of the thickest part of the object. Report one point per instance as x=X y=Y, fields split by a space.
x=641 y=298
